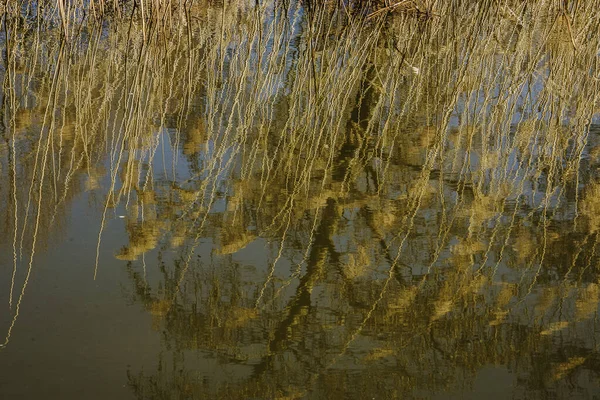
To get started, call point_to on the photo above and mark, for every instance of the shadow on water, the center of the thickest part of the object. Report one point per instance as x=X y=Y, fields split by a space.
x=306 y=200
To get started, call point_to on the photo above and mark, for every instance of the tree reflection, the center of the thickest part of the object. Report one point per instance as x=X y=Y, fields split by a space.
x=321 y=204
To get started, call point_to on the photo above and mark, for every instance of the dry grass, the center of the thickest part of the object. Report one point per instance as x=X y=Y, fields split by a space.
x=410 y=164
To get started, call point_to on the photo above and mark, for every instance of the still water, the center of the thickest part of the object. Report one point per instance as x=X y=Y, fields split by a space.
x=283 y=201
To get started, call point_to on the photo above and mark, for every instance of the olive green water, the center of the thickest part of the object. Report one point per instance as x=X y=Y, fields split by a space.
x=282 y=202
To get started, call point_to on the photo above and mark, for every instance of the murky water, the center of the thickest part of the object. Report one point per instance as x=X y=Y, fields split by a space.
x=292 y=202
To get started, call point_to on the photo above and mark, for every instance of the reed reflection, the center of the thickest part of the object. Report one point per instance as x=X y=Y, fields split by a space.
x=323 y=201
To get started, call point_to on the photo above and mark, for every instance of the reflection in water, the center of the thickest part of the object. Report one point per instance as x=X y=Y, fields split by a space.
x=319 y=203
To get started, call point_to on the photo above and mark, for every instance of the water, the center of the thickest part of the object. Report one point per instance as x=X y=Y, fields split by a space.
x=279 y=202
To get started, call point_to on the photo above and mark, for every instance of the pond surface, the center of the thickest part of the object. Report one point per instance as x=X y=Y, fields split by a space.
x=283 y=201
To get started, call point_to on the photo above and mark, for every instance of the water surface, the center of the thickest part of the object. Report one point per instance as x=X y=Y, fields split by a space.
x=283 y=201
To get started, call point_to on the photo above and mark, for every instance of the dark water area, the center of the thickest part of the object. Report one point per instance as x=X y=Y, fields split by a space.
x=208 y=201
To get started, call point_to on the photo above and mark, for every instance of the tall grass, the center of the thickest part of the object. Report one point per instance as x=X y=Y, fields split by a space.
x=417 y=175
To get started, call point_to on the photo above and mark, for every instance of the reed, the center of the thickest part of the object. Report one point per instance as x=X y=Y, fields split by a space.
x=416 y=170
